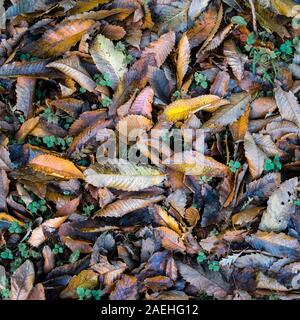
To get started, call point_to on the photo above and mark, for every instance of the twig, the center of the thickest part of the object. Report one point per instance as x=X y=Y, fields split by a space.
x=253 y=15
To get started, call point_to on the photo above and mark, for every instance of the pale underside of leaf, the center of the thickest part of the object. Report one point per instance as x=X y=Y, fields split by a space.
x=255 y=156
x=73 y=69
x=288 y=105
x=22 y=281
x=234 y=59
x=280 y=207
x=108 y=59
x=25 y=89
x=123 y=175
x=195 y=163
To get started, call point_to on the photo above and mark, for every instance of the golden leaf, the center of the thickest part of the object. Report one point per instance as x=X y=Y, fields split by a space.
x=123 y=175
x=166 y=220
x=195 y=163
x=180 y=109
x=60 y=39
x=6 y=217
x=239 y=127
x=56 y=167
x=86 y=279
x=183 y=59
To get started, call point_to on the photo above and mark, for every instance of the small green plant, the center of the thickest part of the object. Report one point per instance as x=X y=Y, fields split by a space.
x=21 y=119
x=274 y=297
x=4 y=293
x=201 y=257
x=87 y=294
x=104 y=80
x=82 y=90
x=15 y=264
x=58 y=248
x=15 y=228
x=213 y=266
x=238 y=20
x=106 y=102
x=22 y=247
x=53 y=141
x=214 y=232
x=273 y=165
x=204 y=179
x=35 y=206
x=88 y=210
x=50 y=116
x=128 y=57
x=6 y=254
x=201 y=80
x=177 y=95
x=287 y=49
x=297 y=202
x=74 y=256
x=27 y=57
x=234 y=166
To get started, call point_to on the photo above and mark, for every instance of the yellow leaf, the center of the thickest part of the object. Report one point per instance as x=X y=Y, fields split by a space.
x=166 y=220
x=180 y=109
x=286 y=8
x=56 y=167
x=239 y=127
x=183 y=59
x=6 y=217
x=120 y=174
x=86 y=279
x=195 y=163
x=60 y=39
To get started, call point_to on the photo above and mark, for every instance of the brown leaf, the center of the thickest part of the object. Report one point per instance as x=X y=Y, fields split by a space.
x=126 y=289
x=56 y=167
x=22 y=281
